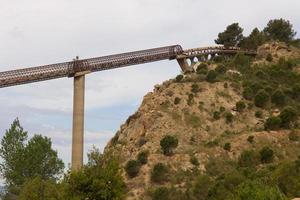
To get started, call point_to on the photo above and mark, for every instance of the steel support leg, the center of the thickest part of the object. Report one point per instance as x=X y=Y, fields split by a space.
x=78 y=122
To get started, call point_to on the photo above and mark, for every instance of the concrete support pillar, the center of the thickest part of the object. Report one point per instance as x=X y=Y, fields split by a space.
x=78 y=122
x=184 y=65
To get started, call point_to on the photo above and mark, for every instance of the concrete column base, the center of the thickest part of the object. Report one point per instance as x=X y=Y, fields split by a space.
x=184 y=65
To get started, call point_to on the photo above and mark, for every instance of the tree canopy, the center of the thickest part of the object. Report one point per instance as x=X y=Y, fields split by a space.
x=232 y=36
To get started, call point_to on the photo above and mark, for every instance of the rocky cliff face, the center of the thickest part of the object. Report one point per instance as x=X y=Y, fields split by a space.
x=204 y=116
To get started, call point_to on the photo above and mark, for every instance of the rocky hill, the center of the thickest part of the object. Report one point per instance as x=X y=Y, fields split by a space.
x=232 y=121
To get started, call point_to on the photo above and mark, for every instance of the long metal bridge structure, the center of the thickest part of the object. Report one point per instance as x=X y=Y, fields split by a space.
x=79 y=68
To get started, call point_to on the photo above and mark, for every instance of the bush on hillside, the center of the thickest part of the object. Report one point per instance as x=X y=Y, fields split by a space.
x=221 y=69
x=179 y=78
x=195 y=88
x=240 y=106
x=248 y=158
x=159 y=173
x=250 y=139
x=202 y=68
x=288 y=116
x=272 y=123
x=266 y=155
x=278 y=98
x=194 y=161
x=228 y=117
x=211 y=76
x=168 y=144
x=132 y=168
x=161 y=193
x=177 y=100
x=227 y=146
x=201 y=187
x=293 y=136
x=258 y=114
x=142 y=157
x=261 y=98
x=248 y=93
x=217 y=115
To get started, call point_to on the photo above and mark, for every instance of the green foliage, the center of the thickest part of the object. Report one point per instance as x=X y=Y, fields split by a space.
x=159 y=173
x=266 y=155
x=194 y=161
x=217 y=115
x=258 y=114
x=179 y=78
x=248 y=93
x=272 y=123
x=269 y=57
x=250 y=139
x=241 y=62
x=202 y=68
x=218 y=59
x=221 y=69
x=201 y=187
x=231 y=36
x=240 y=106
x=38 y=188
x=168 y=144
x=132 y=168
x=280 y=29
x=211 y=76
x=261 y=98
x=177 y=100
x=228 y=117
x=254 y=40
x=101 y=181
x=278 y=98
x=248 y=158
x=161 y=193
x=23 y=161
x=288 y=116
x=190 y=100
x=227 y=146
x=195 y=88
x=251 y=190
x=142 y=157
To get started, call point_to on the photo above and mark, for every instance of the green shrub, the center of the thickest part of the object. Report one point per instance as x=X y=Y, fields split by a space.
x=228 y=117
x=250 y=139
x=278 y=98
x=266 y=155
x=177 y=100
x=258 y=114
x=227 y=146
x=217 y=115
x=261 y=98
x=194 y=161
x=248 y=93
x=269 y=57
x=132 y=168
x=195 y=88
x=248 y=158
x=190 y=100
x=202 y=68
x=221 y=69
x=142 y=157
x=211 y=76
x=293 y=136
x=272 y=123
x=161 y=193
x=179 y=78
x=222 y=109
x=240 y=106
x=168 y=144
x=159 y=173
x=201 y=187
x=288 y=116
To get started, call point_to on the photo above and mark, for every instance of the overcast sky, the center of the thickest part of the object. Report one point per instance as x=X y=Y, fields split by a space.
x=35 y=32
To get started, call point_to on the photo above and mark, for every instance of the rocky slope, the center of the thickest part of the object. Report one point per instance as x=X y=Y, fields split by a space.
x=204 y=117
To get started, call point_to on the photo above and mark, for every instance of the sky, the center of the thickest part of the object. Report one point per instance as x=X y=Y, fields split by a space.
x=37 y=32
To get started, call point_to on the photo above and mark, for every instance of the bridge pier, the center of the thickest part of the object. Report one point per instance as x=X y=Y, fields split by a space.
x=78 y=121
x=184 y=65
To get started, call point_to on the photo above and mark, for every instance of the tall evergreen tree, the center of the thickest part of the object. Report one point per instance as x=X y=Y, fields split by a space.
x=280 y=29
x=231 y=36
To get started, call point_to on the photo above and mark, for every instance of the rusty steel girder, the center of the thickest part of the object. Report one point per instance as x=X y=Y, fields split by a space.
x=69 y=69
